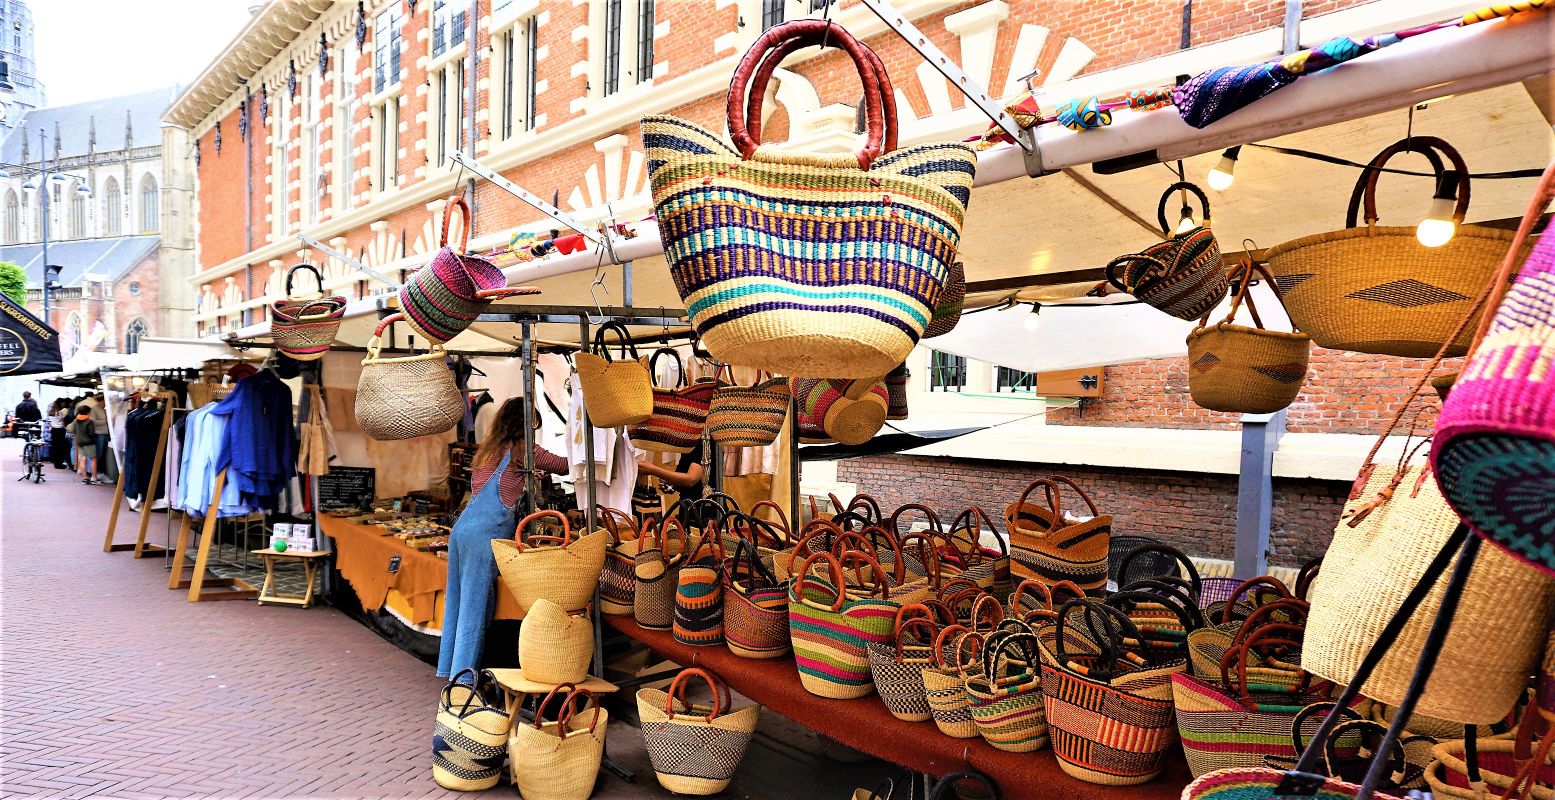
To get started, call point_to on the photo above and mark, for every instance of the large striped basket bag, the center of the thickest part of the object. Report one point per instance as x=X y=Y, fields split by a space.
x=403 y=397
x=618 y=579
x=563 y=569
x=832 y=631
x=1006 y=694
x=679 y=411
x=955 y=648
x=1108 y=720
x=807 y=264
x=616 y=392
x=559 y=760
x=1377 y=289
x=897 y=668
x=1207 y=645
x=755 y=606
x=1306 y=779
x=695 y=749
x=748 y=416
x=304 y=325
x=442 y=298
x=1048 y=546
x=1495 y=439
x=468 y=747
x=837 y=410
x=1246 y=370
x=657 y=571
x=1183 y=275
x=699 y=595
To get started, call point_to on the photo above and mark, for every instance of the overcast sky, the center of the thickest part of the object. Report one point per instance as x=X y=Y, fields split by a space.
x=88 y=49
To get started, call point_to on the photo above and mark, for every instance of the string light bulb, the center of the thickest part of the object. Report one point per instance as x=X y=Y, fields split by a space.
x=1030 y=322
x=1224 y=172
x=1438 y=227
x=1186 y=224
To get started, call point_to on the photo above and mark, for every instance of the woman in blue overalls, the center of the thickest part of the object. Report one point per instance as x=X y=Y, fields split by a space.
x=497 y=486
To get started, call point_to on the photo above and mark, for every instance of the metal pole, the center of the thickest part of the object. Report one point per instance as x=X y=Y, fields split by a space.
x=43 y=190
x=793 y=462
x=1292 y=30
x=528 y=354
x=1255 y=491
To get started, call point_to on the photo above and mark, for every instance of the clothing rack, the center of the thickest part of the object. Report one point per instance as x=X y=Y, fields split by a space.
x=200 y=586
x=140 y=547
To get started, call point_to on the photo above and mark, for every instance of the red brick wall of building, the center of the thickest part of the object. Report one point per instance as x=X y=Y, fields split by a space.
x=128 y=304
x=221 y=194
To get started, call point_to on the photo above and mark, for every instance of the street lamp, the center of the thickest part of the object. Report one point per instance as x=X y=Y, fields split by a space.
x=40 y=176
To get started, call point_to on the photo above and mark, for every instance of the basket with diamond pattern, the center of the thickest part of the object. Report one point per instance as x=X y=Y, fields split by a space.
x=1241 y=369
x=695 y=749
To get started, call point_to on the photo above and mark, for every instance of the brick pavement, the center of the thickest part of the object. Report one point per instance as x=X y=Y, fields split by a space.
x=112 y=686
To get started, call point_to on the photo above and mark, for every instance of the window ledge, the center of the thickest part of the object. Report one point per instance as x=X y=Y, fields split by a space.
x=447 y=57
x=384 y=96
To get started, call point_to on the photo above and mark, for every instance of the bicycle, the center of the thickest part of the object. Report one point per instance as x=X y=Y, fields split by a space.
x=32 y=451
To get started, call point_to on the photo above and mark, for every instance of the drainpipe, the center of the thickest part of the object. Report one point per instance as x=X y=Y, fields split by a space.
x=1292 y=31
x=472 y=61
x=248 y=174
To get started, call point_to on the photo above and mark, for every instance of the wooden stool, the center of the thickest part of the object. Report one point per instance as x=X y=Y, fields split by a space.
x=515 y=687
x=310 y=568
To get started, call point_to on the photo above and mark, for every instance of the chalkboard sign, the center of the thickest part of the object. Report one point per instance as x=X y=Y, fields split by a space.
x=347 y=487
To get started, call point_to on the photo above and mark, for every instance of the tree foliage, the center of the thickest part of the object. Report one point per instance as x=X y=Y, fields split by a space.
x=13 y=282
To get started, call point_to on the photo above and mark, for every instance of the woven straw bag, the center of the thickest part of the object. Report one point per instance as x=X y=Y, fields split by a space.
x=1006 y=699
x=896 y=392
x=826 y=302
x=618 y=578
x=1377 y=289
x=988 y=567
x=695 y=749
x=1049 y=547
x=303 y=326
x=403 y=398
x=657 y=573
x=467 y=747
x=748 y=416
x=846 y=411
x=755 y=606
x=897 y=668
x=943 y=686
x=1495 y=439
x=699 y=596
x=831 y=631
x=559 y=760
x=442 y=298
x=679 y=412
x=615 y=392
x=566 y=572
x=1497 y=765
x=1181 y=276
x=554 y=646
x=1247 y=370
x=951 y=302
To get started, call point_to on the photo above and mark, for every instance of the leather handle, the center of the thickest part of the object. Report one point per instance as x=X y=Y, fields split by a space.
x=1166 y=196
x=1432 y=148
x=317 y=276
x=774 y=58
x=456 y=201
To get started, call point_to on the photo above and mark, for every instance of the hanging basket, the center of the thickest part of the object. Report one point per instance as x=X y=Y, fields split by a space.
x=1246 y=370
x=1181 y=276
x=407 y=397
x=444 y=297
x=304 y=326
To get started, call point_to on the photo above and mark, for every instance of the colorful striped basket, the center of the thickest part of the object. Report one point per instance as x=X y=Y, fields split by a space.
x=442 y=298
x=943 y=686
x=1181 y=276
x=896 y=392
x=755 y=606
x=748 y=416
x=618 y=580
x=1049 y=547
x=699 y=597
x=304 y=326
x=807 y=264
x=838 y=410
x=657 y=569
x=832 y=631
x=1006 y=699
x=679 y=412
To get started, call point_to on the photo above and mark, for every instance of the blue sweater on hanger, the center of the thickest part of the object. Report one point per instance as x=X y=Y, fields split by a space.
x=259 y=445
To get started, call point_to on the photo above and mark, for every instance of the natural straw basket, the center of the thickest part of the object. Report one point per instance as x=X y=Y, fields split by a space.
x=1448 y=773
x=553 y=646
x=657 y=574
x=1377 y=289
x=694 y=749
x=615 y=392
x=564 y=573
x=403 y=398
x=467 y=747
x=559 y=760
x=303 y=326
x=1247 y=370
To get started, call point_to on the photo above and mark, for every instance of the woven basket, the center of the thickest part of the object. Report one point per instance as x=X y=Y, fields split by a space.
x=897 y=668
x=444 y=297
x=618 y=578
x=755 y=607
x=989 y=568
x=943 y=686
x=827 y=302
x=831 y=631
x=304 y=326
x=896 y=392
x=1377 y=289
x=403 y=398
x=1047 y=546
x=748 y=416
x=566 y=573
x=1181 y=276
x=951 y=302
x=1006 y=699
x=1495 y=439
x=553 y=646
x=559 y=760
x=657 y=573
x=1246 y=370
x=699 y=597
x=846 y=411
x=679 y=412
x=1448 y=773
x=1375 y=559
x=467 y=747
x=615 y=392
x=694 y=749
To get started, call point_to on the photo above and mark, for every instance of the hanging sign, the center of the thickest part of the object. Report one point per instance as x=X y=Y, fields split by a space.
x=27 y=346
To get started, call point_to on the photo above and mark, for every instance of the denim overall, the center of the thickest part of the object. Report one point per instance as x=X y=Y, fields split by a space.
x=472 y=572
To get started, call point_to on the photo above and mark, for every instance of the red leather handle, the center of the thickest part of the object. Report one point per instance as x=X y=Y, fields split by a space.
x=456 y=201
x=774 y=58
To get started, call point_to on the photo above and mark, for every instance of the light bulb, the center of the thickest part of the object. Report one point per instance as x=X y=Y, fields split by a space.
x=1030 y=322
x=1438 y=226
x=1187 y=224
x=1224 y=172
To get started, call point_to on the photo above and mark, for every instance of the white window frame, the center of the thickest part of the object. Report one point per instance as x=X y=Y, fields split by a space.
x=278 y=167
x=445 y=112
x=516 y=93
x=345 y=127
x=385 y=143
x=388 y=48
x=449 y=26
x=626 y=66
x=311 y=165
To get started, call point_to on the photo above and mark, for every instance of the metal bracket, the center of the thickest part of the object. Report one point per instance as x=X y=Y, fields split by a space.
x=347 y=260
x=1027 y=139
x=529 y=197
x=897 y=21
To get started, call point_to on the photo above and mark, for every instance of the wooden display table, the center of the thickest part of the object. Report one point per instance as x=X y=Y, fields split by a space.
x=864 y=724
x=309 y=559
x=515 y=687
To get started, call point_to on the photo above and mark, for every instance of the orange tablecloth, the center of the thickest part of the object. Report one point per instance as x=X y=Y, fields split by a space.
x=864 y=724
x=363 y=553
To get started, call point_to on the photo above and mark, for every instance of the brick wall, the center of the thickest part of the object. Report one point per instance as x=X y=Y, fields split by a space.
x=1193 y=512
x=145 y=302
x=221 y=194
x=1344 y=393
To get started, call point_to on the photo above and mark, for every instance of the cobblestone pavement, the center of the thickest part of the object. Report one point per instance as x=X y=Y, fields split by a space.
x=112 y=686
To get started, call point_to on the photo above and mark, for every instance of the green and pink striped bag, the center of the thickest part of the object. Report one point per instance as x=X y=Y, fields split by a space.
x=832 y=629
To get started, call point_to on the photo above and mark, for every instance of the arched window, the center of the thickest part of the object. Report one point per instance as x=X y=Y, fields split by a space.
x=75 y=333
x=133 y=333
x=13 y=218
x=77 y=214
x=150 y=205
x=113 y=208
